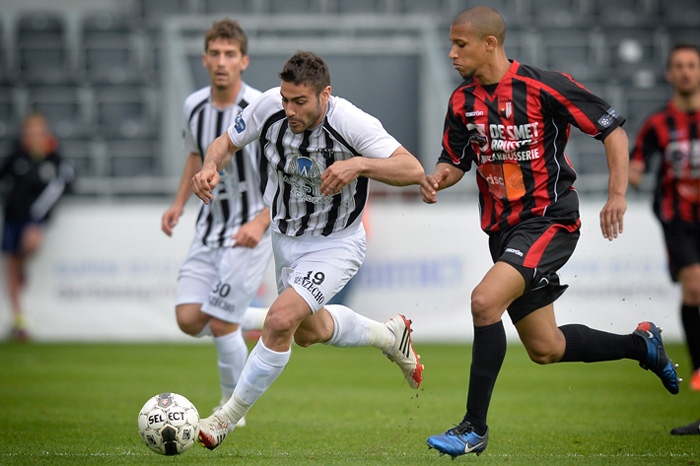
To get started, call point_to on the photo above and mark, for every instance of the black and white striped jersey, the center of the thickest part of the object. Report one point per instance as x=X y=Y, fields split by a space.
x=238 y=198
x=298 y=160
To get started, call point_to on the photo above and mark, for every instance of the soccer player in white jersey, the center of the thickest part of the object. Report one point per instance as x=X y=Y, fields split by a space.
x=322 y=152
x=231 y=248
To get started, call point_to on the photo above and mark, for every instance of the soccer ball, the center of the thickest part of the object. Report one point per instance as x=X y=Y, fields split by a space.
x=169 y=424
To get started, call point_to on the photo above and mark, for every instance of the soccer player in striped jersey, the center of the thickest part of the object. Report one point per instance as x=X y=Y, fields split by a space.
x=323 y=151
x=231 y=249
x=674 y=134
x=512 y=122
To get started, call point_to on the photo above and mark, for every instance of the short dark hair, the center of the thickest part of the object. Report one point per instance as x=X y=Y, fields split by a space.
x=307 y=68
x=227 y=29
x=682 y=45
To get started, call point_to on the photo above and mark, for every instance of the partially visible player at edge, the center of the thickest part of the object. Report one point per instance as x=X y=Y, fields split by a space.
x=231 y=249
x=323 y=150
x=674 y=133
x=512 y=121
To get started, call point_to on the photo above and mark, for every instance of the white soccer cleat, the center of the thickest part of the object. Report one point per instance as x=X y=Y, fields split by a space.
x=213 y=430
x=402 y=353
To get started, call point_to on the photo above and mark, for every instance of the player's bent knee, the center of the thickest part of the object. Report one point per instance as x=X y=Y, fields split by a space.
x=543 y=354
x=278 y=321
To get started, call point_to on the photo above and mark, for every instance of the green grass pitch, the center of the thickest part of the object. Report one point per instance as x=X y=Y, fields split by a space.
x=78 y=403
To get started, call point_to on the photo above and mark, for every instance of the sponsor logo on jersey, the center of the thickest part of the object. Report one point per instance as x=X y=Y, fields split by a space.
x=517 y=252
x=239 y=124
x=474 y=113
x=607 y=119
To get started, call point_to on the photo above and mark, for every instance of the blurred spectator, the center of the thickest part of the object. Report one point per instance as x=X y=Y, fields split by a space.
x=35 y=177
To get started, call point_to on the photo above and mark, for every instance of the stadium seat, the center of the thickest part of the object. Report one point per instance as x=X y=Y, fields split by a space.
x=136 y=158
x=361 y=6
x=625 y=13
x=631 y=51
x=683 y=13
x=63 y=108
x=572 y=51
x=109 y=50
x=41 y=44
x=124 y=112
x=233 y=7
x=562 y=13
x=81 y=154
x=640 y=103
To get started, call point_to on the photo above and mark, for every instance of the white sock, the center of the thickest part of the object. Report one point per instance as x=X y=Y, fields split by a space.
x=351 y=329
x=253 y=318
x=262 y=368
x=232 y=353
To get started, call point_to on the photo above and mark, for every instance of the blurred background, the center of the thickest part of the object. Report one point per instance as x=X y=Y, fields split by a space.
x=111 y=77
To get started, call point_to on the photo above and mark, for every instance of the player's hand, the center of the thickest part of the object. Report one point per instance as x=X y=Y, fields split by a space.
x=611 y=217
x=170 y=219
x=430 y=185
x=204 y=182
x=339 y=175
x=248 y=235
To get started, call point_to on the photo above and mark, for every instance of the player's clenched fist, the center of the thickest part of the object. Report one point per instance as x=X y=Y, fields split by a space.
x=204 y=182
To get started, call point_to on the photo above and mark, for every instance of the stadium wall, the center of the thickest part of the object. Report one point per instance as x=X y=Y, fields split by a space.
x=107 y=273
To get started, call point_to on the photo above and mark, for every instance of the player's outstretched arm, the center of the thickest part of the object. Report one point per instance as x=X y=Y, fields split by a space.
x=218 y=155
x=184 y=191
x=401 y=168
x=444 y=176
x=616 y=151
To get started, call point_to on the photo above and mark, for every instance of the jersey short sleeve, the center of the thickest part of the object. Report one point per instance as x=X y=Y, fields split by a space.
x=364 y=132
x=563 y=97
x=248 y=125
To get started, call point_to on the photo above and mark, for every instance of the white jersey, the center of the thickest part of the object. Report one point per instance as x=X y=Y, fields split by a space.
x=298 y=160
x=238 y=197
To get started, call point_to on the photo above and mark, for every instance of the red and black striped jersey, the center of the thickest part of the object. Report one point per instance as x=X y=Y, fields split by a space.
x=673 y=134
x=515 y=133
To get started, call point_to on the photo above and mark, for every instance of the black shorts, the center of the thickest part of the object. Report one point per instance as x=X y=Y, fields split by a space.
x=537 y=248
x=682 y=245
x=12 y=232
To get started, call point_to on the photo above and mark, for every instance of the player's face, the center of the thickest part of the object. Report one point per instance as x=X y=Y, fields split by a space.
x=303 y=106
x=468 y=53
x=684 y=71
x=225 y=62
x=35 y=134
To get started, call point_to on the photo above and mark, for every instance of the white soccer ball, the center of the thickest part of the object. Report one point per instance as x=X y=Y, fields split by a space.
x=169 y=424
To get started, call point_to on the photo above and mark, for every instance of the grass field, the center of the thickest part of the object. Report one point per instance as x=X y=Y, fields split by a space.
x=78 y=403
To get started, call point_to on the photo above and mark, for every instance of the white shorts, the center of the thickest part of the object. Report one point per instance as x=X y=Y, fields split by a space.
x=224 y=280
x=317 y=267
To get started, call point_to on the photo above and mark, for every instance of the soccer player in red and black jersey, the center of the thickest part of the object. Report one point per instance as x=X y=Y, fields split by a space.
x=674 y=133
x=512 y=122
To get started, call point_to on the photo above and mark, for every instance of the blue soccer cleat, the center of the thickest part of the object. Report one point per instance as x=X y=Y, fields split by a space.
x=656 y=359
x=459 y=440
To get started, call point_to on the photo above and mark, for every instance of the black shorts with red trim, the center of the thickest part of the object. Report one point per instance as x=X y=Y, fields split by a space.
x=537 y=248
x=682 y=245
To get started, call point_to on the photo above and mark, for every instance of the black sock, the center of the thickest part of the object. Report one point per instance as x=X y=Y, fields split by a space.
x=691 y=325
x=585 y=344
x=488 y=352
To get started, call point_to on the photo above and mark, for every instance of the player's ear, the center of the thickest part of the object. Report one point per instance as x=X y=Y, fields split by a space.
x=491 y=43
x=326 y=94
x=245 y=61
